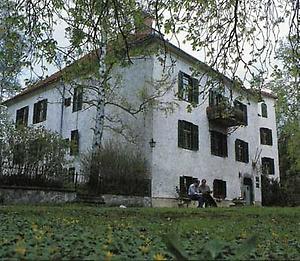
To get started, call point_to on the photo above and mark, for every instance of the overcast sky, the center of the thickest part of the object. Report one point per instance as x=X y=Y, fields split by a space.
x=59 y=35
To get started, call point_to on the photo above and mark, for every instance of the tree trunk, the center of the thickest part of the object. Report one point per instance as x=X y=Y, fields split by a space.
x=94 y=178
x=99 y=121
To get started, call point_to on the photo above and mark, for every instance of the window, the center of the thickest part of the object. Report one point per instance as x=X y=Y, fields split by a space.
x=266 y=136
x=77 y=99
x=74 y=149
x=67 y=102
x=22 y=116
x=184 y=184
x=257 y=182
x=241 y=151
x=264 y=110
x=243 y=108
x=217 y=99
x=40 y=111
x=188 y=88
x=219 y=188
x=188 y=135
x=267 y=166
x=218 y=144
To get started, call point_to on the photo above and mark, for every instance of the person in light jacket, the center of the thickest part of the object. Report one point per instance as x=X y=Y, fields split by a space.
x=195 y=194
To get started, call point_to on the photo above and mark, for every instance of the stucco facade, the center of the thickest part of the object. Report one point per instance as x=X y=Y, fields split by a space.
x=168 y=161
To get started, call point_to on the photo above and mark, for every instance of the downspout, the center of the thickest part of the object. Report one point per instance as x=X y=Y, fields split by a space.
x=62 y=110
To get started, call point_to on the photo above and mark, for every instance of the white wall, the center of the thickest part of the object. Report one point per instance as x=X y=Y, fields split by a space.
x=170 y=162
x=167 y=162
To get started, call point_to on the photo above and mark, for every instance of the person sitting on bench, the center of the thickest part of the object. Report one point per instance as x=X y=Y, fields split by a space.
x=194 y=193
x=205 y=191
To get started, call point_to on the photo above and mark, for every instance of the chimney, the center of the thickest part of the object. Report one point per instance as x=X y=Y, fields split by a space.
x=145 y=28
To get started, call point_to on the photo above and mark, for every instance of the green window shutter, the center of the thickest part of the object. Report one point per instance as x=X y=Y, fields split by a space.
x=180 y=85
x=272 y=169
x=195 y=137
x=182 y=188
x=35 y=107
x=224 y=190
x=245 y=114
x=74 y=107
x=211 y=98
x=44 y=106
x=195 y=84
x=261 y=132
x=224 y=140
x=269 y=137
x=74 y=142
x=79 y=98
x=180 y=133
x=212 y=142
x=246 y=151
x=26 y=115
x=237 y=158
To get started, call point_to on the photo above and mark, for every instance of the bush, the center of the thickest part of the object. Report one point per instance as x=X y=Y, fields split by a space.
x=33 y=157
x=273 y=194
x=116 y=169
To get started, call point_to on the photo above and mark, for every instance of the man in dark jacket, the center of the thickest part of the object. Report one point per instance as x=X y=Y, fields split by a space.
x=205 y=191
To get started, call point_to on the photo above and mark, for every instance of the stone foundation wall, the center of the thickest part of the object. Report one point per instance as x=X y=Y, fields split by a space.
x=128 y=201
x=24 y=195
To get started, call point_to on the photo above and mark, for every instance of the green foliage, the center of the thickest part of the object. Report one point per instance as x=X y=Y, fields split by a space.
x=12 y=50
x=114 y=159
x=115 y=165
x=93 y=233
x=285 y=83
x=212 y=250
x=32 y=157
x=274 y=193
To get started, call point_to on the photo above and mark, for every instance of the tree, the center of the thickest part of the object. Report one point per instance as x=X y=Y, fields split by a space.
x=224 y=30
x=12 y=51
x=233 y=35
x=286 y=84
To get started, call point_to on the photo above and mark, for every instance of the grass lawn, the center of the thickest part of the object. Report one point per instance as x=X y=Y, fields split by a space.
x=84 y=232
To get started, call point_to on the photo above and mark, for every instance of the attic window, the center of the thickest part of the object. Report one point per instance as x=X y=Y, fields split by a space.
x=264 y=110
x=188 y=88
x=40 y=111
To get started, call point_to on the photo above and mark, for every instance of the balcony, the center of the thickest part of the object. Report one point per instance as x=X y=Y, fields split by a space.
x=225 y=115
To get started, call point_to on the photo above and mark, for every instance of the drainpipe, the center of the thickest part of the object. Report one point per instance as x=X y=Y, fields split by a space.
x=62 y=110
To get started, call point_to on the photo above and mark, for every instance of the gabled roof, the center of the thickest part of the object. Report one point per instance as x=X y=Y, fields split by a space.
x=138 y=40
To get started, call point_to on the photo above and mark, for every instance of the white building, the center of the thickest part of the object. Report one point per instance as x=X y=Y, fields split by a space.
x=228 y=147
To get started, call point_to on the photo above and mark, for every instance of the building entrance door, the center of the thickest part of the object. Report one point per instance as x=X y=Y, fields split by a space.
x=247 y=191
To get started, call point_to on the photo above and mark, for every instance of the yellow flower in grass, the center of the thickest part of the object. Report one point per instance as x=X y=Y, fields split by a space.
x=159 y=257
x=20 y=250
x=144 y=249
x=34 y=227
x=108 y=256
